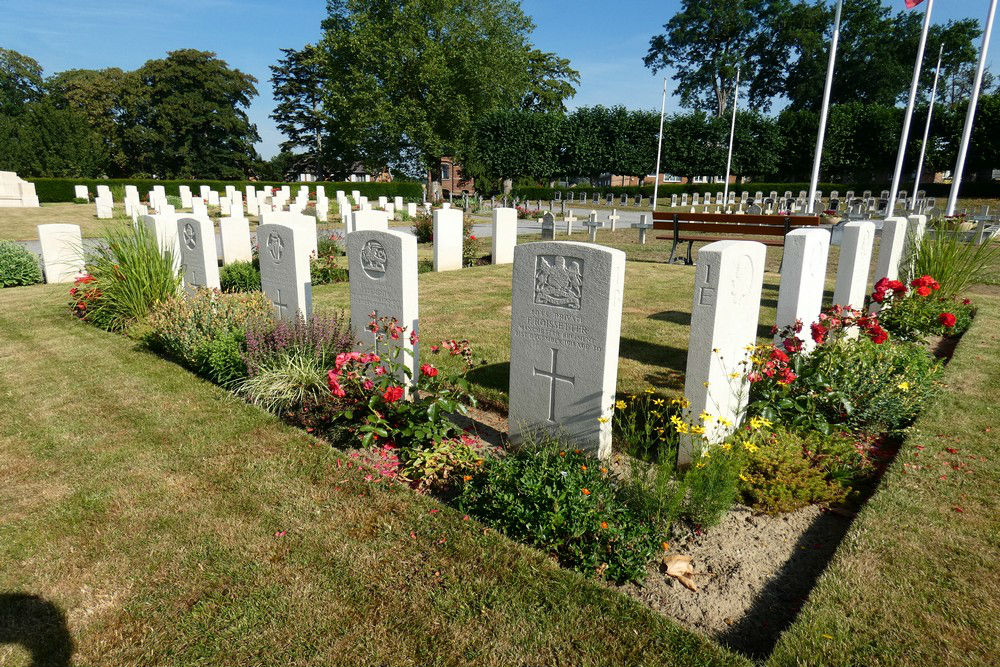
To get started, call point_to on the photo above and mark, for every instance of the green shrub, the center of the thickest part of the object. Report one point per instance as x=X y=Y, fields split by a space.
x=913 y=314
x=18 y=265
x=239 y=277
x=565 y=502
x=954 y=262
x=329 y=265
x=205 y=331
x=129 y=275
x=423 y=228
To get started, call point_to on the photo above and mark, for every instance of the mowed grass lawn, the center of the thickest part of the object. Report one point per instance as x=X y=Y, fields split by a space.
x=474 y=303
x=165 y=522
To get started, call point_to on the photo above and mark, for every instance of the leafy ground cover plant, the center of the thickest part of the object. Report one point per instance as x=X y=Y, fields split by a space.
x=128 y=276
x=915 y=313
x=240 y=277
x=205 y=331
x=859 y=383
x=567 y=503
x=18 y=266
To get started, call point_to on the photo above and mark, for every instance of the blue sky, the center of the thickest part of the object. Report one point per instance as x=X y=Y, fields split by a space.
x=604 y=40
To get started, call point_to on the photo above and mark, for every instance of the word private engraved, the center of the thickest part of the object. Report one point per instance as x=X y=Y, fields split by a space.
x=559 y=281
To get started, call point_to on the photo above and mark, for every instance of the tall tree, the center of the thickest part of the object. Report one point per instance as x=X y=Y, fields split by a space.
x=705 y=42
x=298 y=80
x=20 y=81
x=43 y=140
x=551 y=82
x=410 y=77
x=511 y=144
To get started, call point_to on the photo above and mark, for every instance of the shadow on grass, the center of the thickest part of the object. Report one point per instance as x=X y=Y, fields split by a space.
x=37 y=625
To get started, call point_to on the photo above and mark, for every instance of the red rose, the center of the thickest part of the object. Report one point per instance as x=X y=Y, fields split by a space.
x=819 y=333
x=393 y=394
x=924 y=291
x=947 y=320
x=878 y=334
x=428 y=370
x=778 y=355
x=787 y=376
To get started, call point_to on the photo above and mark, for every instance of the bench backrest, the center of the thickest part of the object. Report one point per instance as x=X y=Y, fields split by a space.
x=722 y=223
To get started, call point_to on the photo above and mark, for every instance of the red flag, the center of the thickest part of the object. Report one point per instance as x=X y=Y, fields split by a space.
x=910 y=4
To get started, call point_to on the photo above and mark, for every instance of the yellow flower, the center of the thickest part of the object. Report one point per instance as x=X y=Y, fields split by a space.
x=620 y=405
x=758 y=423
x=734 y=375
x=604 y=420
x=649 y=391
x=682 y=427
x=700 y=465
x=725 y=422
x=750 y=348
x=697 y=430
x=705 y=383
x=744 y=477
x=905 y=386
x=750 y=447
x=658 y=401
x=705 y=417
x=726 y=446
x=660 y=431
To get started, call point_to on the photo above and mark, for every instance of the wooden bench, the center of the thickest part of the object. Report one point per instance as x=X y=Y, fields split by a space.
x=691 y=227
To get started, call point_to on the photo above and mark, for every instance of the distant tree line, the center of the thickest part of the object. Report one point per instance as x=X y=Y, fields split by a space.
x=861 y=143
x=182 y=116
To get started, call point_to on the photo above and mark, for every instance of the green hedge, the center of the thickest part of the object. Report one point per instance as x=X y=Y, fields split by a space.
x=61 y=189
x=969 y=190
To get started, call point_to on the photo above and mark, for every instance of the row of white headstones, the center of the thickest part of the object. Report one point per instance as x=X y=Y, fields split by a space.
x=566 y=303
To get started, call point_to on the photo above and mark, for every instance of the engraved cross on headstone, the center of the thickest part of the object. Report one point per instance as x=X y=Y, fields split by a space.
x=554 y=377
x=279 y=306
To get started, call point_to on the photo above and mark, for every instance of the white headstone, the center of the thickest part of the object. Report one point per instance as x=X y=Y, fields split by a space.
x=198 y=258
x=915 y=234
x=382 y=266
x=854 y=264
x=308 y=240
x=803 y=279
x=382 y=201
x=62 y=252
x=284 y=269
x=213 y=198
x=411 y=209
x=724 y=313
x=390 y=211
x=369 y=220
x=891 y=247
x=504 y=235
x=235 y=234
x=198 y=208
x=80 y=192
x=397 y=202
x=447 y=239
x=104 y=208
x=565 y=331
x=185 y=193
x=104 y=192
x=224 y=206
x=164 y=229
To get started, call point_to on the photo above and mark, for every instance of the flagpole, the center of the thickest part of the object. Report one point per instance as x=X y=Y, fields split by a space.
x=732 y=134
x=970 y=116
x=659 y=144
x=824 y=110
x=927 y=130
x=905 y=134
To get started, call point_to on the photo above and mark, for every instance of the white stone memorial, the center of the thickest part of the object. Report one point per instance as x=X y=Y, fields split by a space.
x=729 y=277
x=803 y=279
x=383 y=280
x=891 y=247
x=411 y=209
x=80 y=192
x=369 y=219
x=447 y=239
x=854 y=264
x=284 y=269
x=235 y=235
x=504 y=235
x=62 y=252
x=200 y=265
x=565 y=331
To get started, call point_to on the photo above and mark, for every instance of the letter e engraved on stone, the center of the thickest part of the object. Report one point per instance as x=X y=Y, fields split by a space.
x=706 y=293
x=559 y=281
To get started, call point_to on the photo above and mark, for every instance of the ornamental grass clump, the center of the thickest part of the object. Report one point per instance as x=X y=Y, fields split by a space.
x=956 y=262
x=128 y=275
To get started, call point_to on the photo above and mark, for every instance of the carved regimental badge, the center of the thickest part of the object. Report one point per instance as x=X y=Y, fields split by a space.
x=275 y=246
x=373 y=259
x=190 y=236
x=559 y=281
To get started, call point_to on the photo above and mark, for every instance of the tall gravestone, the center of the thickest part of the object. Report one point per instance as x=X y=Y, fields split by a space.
x=447 y=239
x=80 y=192
x=548 y=227
x=62 y=252
x=915 y=234
x=284 y=269
x=891 y=247
x=198 y=258
x=565 y=330
x=803 y=279
x=854 y=264
x=504 y=235
x=729 y=277
x=235 y=236
x=383 y=280
x=370 y=220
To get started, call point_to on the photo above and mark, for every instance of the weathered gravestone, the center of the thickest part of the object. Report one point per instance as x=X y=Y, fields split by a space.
x=803 y=278
x=854 y=264
x=447 y=239
x=383 y=280
x=504 y=235
x=565 y=330
x=235 y=234
x=198 y=257
x=62 y=252
x=284 y=269
x=548 y=227
x=726 y=306
x=891 y=247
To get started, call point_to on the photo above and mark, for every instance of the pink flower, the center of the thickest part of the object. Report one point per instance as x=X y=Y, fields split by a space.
x=380 y=370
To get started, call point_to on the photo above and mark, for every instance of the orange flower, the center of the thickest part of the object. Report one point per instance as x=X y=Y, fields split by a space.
x=585 y=492
x=467 y=478
x=604 y=525
x=578 y=451
x=604 y=471
x=666 y=546
x=583 y=468
x=562 y=453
